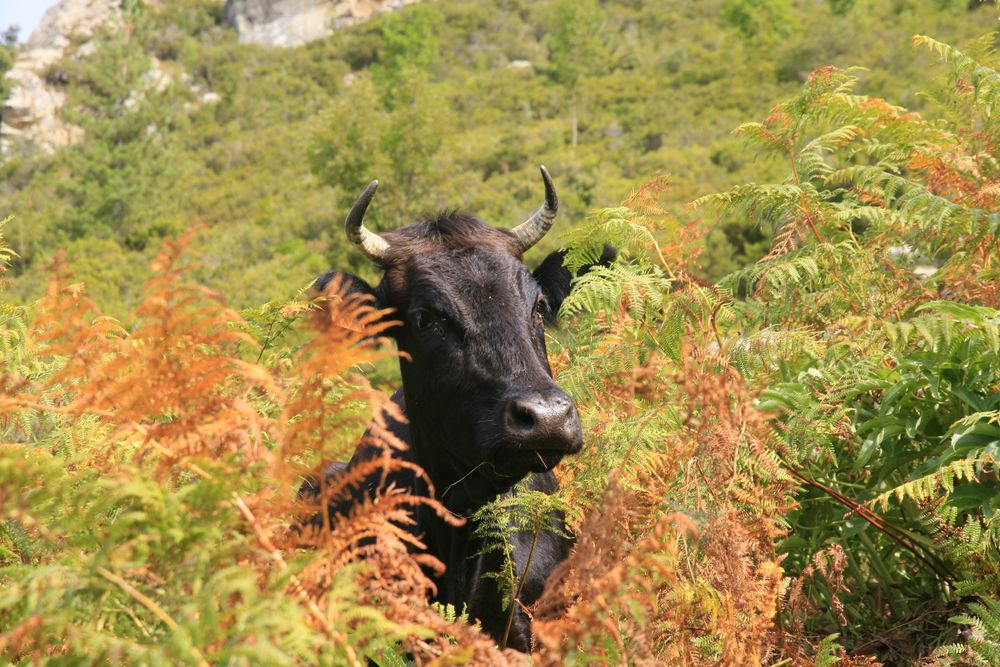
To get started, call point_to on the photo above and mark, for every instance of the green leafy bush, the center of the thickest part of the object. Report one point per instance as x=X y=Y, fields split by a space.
x=887 y=392
x=246 y=139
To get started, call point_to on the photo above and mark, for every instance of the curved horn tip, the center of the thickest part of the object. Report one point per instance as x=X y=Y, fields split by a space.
x=369 y=191
x=551 y=199
x=532 y=230
x=372 y=245
x=355 y=216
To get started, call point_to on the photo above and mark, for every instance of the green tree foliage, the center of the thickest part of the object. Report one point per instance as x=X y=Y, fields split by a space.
x=243 y=137
x=8 y=50
x=578 y=46
x=409 y=47
x=398 y=144
x=762 y=22
x=118 y=184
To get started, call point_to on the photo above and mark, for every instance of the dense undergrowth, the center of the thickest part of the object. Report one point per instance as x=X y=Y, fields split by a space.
x=793 y=466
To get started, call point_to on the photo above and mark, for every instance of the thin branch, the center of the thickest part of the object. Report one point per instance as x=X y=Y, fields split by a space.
x=149 y=604
x=881 y=524
x=516 y=599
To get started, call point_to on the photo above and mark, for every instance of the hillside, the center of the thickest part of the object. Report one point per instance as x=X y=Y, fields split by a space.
x=786 y=378
x=455 y=119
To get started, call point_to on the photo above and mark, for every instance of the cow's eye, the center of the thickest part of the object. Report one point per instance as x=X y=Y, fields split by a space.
x=538 y=314
x=423 y=320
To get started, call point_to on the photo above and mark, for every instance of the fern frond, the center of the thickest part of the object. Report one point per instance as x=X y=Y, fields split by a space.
x=985 y=82
x=943 y=479
x=983 y=647
x=916 y=204
x=765 y=349
x=628 y=230
x=637 y=288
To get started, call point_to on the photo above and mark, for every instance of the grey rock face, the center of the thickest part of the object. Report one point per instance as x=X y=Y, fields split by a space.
x=295 y=22
x=32 y=111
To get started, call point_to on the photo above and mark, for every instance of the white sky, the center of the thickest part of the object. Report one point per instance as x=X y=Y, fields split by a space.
x=25 y=13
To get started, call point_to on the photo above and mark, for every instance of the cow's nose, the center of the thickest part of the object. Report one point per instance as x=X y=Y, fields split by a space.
x=544 y=420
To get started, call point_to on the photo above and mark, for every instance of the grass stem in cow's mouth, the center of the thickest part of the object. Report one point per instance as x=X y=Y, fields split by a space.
x=462 y=479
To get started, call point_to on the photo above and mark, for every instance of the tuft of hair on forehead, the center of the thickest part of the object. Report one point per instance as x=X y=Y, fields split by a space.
x=448 y=230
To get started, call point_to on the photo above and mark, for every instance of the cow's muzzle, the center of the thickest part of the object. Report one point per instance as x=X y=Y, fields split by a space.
x=545 y=421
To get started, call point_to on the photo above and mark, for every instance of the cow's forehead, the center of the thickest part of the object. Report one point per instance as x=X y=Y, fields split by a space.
x=466 y=274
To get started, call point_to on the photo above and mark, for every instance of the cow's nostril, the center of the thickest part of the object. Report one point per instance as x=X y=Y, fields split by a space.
x=521 y=416
x=544 y=420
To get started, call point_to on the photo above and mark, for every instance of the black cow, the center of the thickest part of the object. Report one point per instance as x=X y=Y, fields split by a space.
x=477 y=391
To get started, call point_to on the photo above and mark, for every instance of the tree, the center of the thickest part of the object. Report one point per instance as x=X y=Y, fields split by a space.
x=119 y=178
x=578 y=47
x=364 y=138
x=761 y=21
x=8 y=50
x=409 y=48
x=389 y=125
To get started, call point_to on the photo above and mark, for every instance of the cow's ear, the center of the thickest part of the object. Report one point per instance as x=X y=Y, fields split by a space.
x=329 y=281
x=354 y=284
x=555 y=279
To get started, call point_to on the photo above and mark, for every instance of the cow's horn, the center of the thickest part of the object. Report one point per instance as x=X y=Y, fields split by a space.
x=372 y=245
x=532 y=230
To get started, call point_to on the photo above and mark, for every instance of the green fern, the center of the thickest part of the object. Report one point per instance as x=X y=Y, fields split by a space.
x=637 y=287
x=984 y=81
x=629 y=231
x=827 y=652
x=943 y=479
x=6 y=252
x=526 y=511
x=982 y=646
x=765 y=349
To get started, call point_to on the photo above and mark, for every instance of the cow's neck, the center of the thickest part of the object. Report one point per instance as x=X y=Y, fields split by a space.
x=462 y=490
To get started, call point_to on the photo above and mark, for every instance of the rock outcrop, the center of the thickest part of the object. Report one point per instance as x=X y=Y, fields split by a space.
x=31 y=112
x=295 y=22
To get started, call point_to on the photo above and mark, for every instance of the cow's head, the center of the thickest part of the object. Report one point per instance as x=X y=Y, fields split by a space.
x=482 y=405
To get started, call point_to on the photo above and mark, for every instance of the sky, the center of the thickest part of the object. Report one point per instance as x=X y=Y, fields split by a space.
x=25 y=13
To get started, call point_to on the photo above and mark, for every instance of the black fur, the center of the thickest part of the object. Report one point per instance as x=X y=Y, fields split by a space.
x=556 y=279
x=472 y=336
